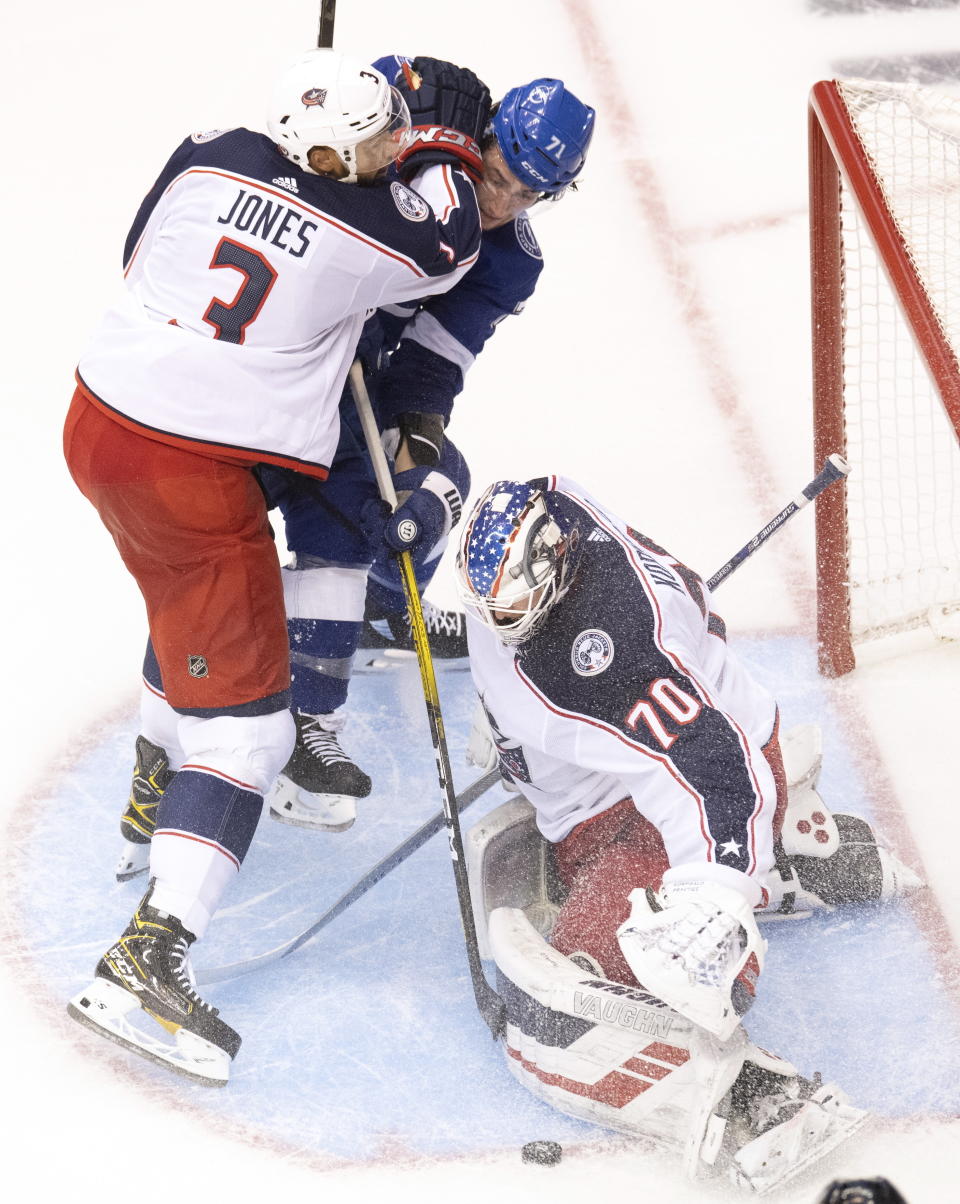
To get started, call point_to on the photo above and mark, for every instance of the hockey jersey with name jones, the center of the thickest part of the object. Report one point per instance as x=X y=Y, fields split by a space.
x=248 y=282
x=629 y=689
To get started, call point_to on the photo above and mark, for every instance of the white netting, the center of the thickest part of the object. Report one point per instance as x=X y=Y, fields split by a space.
x=903 y=497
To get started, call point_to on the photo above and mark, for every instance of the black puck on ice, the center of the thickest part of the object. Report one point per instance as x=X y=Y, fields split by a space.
x=542 y=1153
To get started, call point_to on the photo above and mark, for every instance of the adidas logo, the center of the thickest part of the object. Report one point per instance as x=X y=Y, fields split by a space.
x=598 y=536
x=287 y=182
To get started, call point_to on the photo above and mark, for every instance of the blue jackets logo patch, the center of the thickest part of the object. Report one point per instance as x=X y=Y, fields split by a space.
x=592 y=652
x=207 y=136
x=411 y=204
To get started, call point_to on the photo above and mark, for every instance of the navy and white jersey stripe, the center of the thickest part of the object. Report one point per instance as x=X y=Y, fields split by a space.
x=627 y=690
x=248 y=282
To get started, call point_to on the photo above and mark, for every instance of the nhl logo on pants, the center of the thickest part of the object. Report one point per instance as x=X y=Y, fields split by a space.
x=197 y=666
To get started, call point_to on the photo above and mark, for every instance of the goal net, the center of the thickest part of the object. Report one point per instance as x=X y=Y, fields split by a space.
x=885 y=260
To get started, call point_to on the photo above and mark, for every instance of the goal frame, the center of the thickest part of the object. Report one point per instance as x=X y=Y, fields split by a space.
x=836 y=155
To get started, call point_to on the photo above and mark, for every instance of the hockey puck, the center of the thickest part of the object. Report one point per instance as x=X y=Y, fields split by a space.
x=542 y=1153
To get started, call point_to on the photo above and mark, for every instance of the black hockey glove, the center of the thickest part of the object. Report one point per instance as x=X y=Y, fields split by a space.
x=449 y=109
x=423 y=436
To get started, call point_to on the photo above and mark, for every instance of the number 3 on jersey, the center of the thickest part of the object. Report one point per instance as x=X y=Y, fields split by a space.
x=231 y=319
x=677 y=703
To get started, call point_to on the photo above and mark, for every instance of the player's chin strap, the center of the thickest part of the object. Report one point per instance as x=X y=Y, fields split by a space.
x=491 y=1006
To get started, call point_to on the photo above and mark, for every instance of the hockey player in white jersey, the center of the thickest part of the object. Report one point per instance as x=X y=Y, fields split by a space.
x=661 y=819
x=250 y=270
x=345 y=604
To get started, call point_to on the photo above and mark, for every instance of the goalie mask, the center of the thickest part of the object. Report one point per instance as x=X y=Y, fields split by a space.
x=517 y=558
x=326 y=99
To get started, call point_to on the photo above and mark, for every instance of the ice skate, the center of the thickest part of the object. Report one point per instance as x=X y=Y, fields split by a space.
x=776 y=1123
x=386 y=641
x=148 y=972
x=151 y=776
x=320 y=784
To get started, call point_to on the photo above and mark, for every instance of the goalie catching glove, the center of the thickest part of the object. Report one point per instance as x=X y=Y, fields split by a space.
x=696 y=946
x=449 y=109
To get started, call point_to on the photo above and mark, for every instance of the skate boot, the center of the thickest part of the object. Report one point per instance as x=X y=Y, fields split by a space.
x=386 y=641
x=151 y=776
x=774 y=1123
x=320 y=785
x=148 y=971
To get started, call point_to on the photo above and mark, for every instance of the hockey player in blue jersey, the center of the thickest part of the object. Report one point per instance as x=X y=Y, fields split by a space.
x=533 y=151
x=343 y=579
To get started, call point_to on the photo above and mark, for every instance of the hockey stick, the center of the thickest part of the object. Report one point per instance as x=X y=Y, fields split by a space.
x=328 y=14
x=491 y=1006
x=835 y=469
x=360 y=888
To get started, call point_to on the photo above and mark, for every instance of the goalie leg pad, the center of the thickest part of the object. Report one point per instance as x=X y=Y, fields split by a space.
x=606 y=1052
x=825 y=860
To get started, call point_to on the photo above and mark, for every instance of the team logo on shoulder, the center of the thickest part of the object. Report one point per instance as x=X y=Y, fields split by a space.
x=207 y=135
x=525 y=236
x=314 y=96
x=410 y=204
x=592 y=652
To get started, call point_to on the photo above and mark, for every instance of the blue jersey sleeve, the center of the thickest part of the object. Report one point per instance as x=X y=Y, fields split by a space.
x=440 y=339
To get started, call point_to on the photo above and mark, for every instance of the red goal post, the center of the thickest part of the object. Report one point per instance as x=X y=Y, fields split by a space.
x=885 y=269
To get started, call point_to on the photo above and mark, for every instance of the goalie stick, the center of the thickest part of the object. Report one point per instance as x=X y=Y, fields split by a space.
x=359 y=888
x=834 y=469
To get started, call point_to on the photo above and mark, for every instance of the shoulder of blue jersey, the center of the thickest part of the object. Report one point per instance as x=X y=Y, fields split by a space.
x=526 y=237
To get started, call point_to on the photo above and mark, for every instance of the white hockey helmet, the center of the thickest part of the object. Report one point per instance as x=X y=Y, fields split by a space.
x=327 y=99
x=518 y=556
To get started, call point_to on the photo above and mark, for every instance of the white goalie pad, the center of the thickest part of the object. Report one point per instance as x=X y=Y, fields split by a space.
x=802 y=751
x=289 y=804
x=697 y=947
x=826 y=859
x=616 y=1056
x=112 y=1012
x=606 y=1052
x=509 y=865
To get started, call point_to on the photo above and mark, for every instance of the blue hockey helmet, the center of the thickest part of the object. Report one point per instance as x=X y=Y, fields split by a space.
x=543 y=132
x=518 y=556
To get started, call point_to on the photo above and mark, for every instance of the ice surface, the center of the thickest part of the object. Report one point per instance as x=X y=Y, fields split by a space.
x=664 y=363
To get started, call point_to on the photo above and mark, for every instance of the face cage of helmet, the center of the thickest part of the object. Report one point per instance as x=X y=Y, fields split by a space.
x=525 y=592
x=366 y=161
x=500 y=195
